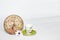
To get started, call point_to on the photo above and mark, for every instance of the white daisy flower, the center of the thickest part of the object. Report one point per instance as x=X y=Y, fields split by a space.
x=18 y=32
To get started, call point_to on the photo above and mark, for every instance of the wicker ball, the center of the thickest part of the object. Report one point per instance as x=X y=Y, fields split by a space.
x=13 y=23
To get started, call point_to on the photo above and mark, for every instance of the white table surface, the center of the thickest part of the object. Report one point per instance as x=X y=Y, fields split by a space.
x=47 y=29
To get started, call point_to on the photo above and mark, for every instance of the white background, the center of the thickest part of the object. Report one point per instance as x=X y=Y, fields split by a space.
x=43 y=14
x=30 y=8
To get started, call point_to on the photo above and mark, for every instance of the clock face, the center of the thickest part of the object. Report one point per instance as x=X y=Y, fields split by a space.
x=13 y=23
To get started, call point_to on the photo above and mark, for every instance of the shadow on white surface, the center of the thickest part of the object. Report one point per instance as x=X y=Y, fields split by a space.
x=47 y=29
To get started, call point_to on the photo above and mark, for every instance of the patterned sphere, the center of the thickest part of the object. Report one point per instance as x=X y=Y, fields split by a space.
x=13 y=23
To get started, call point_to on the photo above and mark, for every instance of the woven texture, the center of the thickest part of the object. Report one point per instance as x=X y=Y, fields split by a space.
x=13 y=23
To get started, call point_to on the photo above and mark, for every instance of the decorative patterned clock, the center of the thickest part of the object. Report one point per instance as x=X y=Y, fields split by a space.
x=13 y=23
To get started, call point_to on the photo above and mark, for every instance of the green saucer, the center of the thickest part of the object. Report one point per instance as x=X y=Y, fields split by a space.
x=33 y=32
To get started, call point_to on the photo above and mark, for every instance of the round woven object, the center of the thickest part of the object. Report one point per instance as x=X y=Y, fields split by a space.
x=13 y=23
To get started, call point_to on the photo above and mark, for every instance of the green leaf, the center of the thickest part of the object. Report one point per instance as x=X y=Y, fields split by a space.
x=33 y=32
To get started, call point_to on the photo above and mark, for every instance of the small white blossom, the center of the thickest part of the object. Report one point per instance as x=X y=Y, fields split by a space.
x=18 y=32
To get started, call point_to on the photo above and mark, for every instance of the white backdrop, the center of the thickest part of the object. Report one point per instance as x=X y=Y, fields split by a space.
x=48 y=27
x=30 y=8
